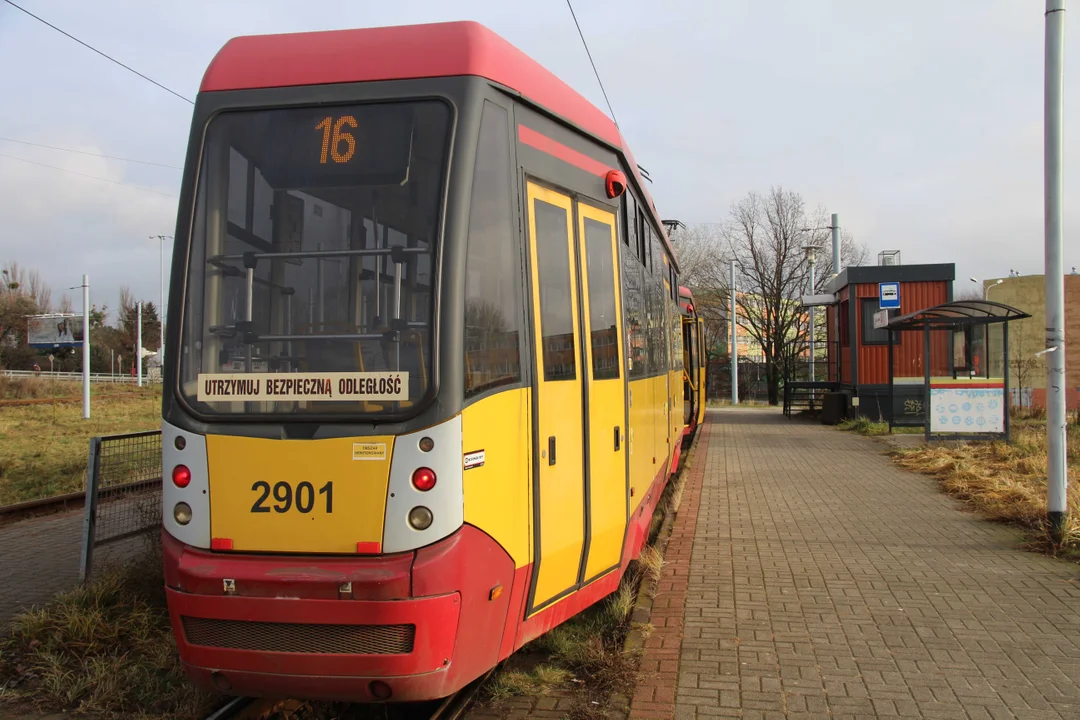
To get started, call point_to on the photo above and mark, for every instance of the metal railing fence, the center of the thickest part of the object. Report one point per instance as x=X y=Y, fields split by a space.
x=123 y=491
x=77 y=377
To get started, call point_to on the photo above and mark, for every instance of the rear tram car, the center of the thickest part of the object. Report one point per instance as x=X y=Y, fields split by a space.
x=428 y=380
x=694 y=358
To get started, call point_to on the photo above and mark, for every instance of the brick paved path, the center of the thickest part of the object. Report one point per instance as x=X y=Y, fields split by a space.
x=40 y=557
x=826 y=582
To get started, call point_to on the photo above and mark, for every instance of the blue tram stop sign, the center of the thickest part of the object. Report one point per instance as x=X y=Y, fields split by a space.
x=889 y=295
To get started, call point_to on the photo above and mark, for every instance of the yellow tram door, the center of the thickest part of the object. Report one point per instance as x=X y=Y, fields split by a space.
x=608 y=494
x=559 y=487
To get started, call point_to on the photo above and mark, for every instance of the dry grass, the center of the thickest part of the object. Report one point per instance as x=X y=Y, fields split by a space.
x=44 y=387
x=1005 y=482
x=584 y=654
x=43 y=447
x=517 y=682
x=652 y=561
x=104 y=649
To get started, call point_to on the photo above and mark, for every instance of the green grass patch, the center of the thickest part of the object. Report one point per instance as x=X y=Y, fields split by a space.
x=864 y=426
x=43 y=446
x=102 y=649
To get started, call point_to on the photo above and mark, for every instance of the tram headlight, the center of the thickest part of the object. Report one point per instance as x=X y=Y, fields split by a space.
x=420 y=518
x=182 y=513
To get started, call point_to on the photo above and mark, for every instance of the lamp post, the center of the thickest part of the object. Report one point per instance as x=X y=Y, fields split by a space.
x=986 y=288
x=161 y=286
x=809 y=250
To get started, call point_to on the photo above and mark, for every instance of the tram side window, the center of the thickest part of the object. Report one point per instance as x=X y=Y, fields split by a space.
x=649 y=305
x=655 y=288
x=602 y=322
x=635 y=320
x=630 y=237
x=556 y=308
x=660 y=328
x=493 y=283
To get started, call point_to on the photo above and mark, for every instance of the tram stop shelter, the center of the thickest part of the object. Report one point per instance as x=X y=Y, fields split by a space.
x=959 y=388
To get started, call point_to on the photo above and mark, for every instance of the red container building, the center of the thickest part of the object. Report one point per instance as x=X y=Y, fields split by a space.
x=858 y=353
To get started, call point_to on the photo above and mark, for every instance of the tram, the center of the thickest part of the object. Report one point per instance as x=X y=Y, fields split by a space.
x=694 y=359
x=429 y=371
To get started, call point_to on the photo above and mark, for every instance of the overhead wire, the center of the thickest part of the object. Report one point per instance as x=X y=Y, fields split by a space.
x=93 y=154
x=587 y=52
x=91 y=47
x=92 y=177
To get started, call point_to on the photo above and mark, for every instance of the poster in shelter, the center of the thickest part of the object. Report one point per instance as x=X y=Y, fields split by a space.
x=967 y=410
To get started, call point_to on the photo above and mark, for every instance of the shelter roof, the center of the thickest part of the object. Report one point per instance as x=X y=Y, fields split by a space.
x=958 y=313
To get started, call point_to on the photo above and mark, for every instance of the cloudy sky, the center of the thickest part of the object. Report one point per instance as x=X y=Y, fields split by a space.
x=920 y=122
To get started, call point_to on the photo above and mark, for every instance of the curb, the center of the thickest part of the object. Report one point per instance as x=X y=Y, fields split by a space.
x=634 y=644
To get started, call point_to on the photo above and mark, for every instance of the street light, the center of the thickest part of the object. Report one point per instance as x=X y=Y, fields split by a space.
x=810 y=250
x=986 y=288
x=161 y=287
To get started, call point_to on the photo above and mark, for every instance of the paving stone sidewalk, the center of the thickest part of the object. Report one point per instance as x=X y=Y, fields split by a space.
x=40 y=557
x=826 y=582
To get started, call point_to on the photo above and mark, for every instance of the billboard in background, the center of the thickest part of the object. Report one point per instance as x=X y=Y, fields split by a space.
x=54 y=331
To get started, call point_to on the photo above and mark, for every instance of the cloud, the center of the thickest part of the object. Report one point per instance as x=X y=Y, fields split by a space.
x=920 y=126
x=66 y=225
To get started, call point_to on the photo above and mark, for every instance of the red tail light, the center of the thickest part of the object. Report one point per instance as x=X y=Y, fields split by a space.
x=181 y=476
x=423 y=479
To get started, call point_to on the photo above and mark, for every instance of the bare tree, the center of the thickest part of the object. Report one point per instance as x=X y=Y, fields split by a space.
x=21 y=282
x=21 y=295
x=766 y=236
x=703 y=268
x=39 y=291
x=969 y=294
x=1022 y=360
x=127 y=302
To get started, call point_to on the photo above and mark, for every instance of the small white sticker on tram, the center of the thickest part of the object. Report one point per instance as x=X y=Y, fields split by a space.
x=246 y=387
x=368 y=451
x=474 y=459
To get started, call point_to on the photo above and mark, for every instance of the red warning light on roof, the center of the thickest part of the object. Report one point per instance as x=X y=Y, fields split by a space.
x=615 y=182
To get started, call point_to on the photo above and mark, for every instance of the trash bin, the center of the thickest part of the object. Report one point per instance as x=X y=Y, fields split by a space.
x=834 y=408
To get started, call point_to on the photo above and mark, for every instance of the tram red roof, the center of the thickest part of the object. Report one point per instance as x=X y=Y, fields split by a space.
x=400 y=53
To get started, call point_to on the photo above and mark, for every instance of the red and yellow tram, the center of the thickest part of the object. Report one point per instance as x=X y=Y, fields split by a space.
x=429 y=377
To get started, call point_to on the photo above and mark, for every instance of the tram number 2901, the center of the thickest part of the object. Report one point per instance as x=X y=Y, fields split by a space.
x=303 y=497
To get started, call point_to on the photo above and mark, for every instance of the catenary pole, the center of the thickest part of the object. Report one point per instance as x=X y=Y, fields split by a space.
x=86 y=347
x=836 y=244
x=138 y=342
x=1054 y=90
x=734 y=343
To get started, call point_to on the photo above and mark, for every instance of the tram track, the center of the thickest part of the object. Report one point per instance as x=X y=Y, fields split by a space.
x=43 y=506
x=70 y=501
x=452 y=707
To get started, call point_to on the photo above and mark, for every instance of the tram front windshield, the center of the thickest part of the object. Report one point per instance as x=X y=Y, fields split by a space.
x=312 y=260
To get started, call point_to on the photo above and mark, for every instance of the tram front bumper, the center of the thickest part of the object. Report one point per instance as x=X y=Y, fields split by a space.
x=340 y=628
